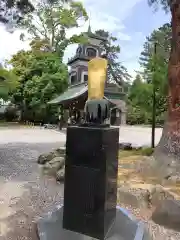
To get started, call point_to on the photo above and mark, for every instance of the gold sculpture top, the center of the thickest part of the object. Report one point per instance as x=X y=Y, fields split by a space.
x=97 y=70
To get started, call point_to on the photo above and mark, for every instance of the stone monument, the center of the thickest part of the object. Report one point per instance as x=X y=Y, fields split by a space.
x=90 y=188
x=92 y=163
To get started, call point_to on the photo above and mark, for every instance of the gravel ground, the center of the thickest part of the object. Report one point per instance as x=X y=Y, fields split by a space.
x=157 y=232
x=18 y=161
x=23 y=195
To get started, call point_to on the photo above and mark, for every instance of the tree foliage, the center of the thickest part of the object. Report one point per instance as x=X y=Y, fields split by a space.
x=164 y=3
x=155 y=68
x=139 y=102
x=8 y=83
x=155 y=64
x=42 y=77
x=12 y=11
x=161 y=36
x=41 y=73
x=51 y=22
x=116 y=71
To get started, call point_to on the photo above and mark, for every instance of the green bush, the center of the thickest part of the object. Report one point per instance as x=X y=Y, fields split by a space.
x=135 y=116
x=10 y=113
x=147 y=151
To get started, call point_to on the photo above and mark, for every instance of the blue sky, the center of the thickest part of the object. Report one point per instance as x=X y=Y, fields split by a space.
x=138 y=24
x=130 y=20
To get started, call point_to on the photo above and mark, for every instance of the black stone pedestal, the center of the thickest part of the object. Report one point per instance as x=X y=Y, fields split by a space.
x=91 y=180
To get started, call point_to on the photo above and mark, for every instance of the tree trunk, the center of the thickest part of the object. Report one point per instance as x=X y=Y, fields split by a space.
x=169 y=145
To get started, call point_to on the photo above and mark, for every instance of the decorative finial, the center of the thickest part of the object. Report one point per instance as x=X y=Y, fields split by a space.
x=89 y=27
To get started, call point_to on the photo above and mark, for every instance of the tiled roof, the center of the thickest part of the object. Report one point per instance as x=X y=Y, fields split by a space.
x=71 y=93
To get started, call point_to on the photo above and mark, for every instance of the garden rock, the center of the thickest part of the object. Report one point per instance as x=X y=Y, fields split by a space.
x=42 y=159
x=51 y=167
x=61 y=150
x=158 y=194
x=143 y=195
x=174 y=179
x=61 y=161
x=135 y=197
x=167 y=214
x=125 y=146
x=46 y=157
x=60 y=174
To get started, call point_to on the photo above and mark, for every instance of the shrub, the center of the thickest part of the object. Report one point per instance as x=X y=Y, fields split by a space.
x=147 y=151
x=10 y=113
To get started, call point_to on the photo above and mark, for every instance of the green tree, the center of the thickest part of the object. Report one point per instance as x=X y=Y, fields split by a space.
x=11 y=12
x=42 y=77
x=155 y=67
x=116 y=71
x=165 y=4
x=161 y=36
x=50 y=22
x=169 y=143
x=8 y=83
x=139 y=102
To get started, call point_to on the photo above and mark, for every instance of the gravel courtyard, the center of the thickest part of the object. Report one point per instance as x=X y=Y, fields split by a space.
x=23 y=195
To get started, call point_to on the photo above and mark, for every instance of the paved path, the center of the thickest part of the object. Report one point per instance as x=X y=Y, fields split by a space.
x=135 y=135
x=138 y=136
x=30 y=135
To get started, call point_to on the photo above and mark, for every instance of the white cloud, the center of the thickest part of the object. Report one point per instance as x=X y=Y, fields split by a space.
x=123 y=37
x=10 y=43
x=130 y=52
x=100 y=18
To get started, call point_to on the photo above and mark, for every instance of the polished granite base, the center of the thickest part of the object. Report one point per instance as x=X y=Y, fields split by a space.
x=90 y=185
x=126 y=227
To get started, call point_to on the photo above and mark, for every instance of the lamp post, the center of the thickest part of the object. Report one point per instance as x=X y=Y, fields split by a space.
x=154 y=101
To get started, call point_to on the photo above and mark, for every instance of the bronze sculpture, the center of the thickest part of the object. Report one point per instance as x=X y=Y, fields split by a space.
x=96 y=108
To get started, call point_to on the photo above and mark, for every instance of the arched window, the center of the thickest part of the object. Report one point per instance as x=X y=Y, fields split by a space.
x=91 y=52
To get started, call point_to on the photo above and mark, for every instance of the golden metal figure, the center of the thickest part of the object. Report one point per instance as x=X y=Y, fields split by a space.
x=97 y=70
x=96 y=107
